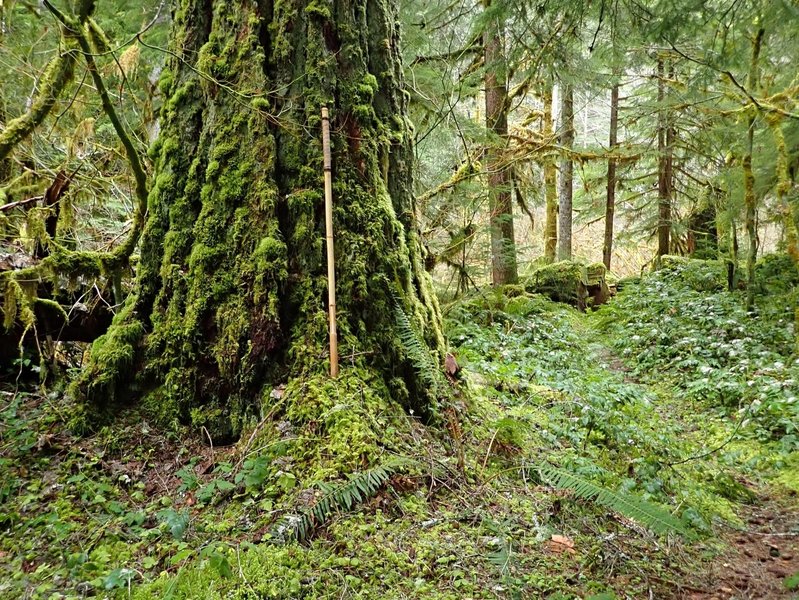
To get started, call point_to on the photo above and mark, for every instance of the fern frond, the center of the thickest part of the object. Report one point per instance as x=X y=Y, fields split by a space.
x=655 y=517
x=359 y=487
x=500 y=557
x=416 y=349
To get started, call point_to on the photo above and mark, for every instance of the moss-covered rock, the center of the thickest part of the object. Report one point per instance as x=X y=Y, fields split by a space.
x=571 y=282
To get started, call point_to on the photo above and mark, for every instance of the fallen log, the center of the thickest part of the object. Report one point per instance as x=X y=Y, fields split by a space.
x=75 y=313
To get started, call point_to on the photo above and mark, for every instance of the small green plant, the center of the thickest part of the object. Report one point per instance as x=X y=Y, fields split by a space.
x=356 y=489
x=652 y=516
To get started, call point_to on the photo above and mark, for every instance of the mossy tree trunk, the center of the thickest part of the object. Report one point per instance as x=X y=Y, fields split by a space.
x=230 y=299
x=566 y=173
x=750 y=198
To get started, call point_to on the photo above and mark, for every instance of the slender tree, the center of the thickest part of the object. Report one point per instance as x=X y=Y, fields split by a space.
x=566 y=173
x=665 y=163
x=750 y=197
x=550 y=182
x=503 y=245
x=610 y=202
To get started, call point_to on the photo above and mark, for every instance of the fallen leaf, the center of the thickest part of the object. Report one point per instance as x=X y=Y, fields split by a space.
x=561 y=543
x=451 y=364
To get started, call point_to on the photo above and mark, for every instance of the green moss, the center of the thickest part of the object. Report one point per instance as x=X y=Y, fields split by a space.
x=563 y=281
x=104 y=381
x=270 y=257
x=319 y=9
x=789 y=477
x=347 y=416
x=157 y=405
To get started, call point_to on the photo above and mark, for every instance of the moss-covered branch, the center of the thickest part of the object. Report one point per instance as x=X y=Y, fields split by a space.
x=75 y=26
x=57 y=75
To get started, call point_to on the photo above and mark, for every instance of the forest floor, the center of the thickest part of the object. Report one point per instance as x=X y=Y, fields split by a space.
x=647 y=450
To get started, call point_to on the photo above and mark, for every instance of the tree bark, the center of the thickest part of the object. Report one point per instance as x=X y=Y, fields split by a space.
x=750 y=199
x=231 y=287
x=610 y=204
x=503 y=245
x=665 y=163
x=566 y=174
x=550 y=183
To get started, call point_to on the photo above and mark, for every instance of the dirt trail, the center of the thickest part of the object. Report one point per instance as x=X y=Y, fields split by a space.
x=758 y=560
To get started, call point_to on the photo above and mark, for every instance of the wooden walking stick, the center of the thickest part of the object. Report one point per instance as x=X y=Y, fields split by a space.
x=331 y=261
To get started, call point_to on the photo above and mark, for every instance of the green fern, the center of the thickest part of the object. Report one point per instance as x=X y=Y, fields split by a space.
x=358 y=488
x=501 y=554
x=416 y=349
x=655 y=517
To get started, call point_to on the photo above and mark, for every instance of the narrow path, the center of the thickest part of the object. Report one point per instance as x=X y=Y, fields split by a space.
x=756 y=561
x=759 y=560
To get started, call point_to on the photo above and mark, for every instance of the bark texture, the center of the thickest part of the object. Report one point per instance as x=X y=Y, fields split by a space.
x=610 y=202
x=550 y=184
x=503 y=244
x=750 y=199
x=566 y=174
x=665 y=163
x=230 y=297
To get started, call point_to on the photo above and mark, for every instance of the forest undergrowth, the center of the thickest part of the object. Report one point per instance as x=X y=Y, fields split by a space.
x=649 y=449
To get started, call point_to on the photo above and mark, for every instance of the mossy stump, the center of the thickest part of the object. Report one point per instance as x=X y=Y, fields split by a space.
x=571 y=282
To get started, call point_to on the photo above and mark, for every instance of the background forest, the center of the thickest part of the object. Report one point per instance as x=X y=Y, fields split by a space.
x=584 y=385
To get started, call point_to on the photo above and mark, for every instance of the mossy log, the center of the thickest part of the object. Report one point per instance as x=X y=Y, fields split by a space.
x=230 y=295
x=571 y=282
x=55 y=301
x=81 y=324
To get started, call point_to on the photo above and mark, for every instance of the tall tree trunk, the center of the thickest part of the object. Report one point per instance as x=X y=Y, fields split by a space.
x=733 y=276
x=665 y=170
x=5 y=163
x=230 y=299
x=750 y=199
x=550 y=183
x=503 y=245
x=610 y=204
x=566 y=173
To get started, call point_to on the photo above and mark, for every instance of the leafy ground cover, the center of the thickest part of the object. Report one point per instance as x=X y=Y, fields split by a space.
x=646 y=450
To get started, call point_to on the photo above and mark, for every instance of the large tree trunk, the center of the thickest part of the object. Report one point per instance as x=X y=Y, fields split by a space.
x=550 y=183
x=610 y=204
x=231 y=291
x=566 y=173
x=503 y=245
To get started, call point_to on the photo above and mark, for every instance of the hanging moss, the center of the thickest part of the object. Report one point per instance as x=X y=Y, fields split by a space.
x=57 y=75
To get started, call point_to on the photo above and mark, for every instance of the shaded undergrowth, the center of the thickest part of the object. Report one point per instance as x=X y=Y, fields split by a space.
x=566 y=421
